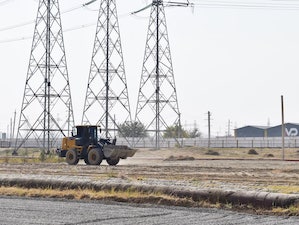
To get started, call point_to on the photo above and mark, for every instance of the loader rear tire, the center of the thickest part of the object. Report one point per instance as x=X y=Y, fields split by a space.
x=95 y=156
x=72 y=157
x=113 y=162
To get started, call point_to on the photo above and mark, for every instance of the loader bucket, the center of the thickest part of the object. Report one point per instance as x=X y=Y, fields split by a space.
x=118 y=151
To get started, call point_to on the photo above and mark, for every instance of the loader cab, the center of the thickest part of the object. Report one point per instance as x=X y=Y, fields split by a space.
x=86 y=135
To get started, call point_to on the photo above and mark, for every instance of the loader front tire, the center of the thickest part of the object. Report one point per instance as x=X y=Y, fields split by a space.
x=113 y=161
x=95 y=156
x=72 y=157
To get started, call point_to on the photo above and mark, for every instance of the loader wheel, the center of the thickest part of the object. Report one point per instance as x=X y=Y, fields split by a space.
x=95 y=156
x=72 y=157
x=113 y=162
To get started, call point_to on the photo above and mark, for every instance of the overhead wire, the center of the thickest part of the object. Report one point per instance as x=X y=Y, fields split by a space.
x=3 y=2
x=33 y=21
x=64 y=31
x=96 y=10
x=271 y=4
x=192 y=3
x=285 y=5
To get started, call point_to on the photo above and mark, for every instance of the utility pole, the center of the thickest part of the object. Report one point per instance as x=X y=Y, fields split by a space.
x=47 y=89
x=10 y=131
x=228 y=128
x=14 y=124
x=282 y=127
x=209 y=130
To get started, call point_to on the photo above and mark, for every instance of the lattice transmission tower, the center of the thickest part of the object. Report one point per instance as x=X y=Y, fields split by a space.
x=157 y=105
x=107 y=100
x=46 y=112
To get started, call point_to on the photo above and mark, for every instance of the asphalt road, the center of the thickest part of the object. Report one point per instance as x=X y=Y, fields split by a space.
x=23 y=211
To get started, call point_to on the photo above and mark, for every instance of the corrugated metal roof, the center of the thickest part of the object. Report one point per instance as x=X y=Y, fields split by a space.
x=259 y=127
x=266 y=127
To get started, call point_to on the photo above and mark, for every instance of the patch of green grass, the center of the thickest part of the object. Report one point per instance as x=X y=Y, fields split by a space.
x=286 y=189
x=112 y=174
x=292 y=210
x=23 y=159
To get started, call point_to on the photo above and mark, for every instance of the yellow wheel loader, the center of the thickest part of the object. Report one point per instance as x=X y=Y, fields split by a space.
x=86 y=145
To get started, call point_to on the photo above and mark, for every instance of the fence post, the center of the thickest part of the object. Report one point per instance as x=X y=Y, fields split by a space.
x=251 y=143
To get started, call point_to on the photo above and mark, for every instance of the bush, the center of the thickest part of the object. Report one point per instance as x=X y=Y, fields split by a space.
x=42 y=156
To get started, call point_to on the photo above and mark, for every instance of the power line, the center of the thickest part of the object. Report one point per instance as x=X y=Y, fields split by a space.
x=194 y=3
x=15 y=39
x=230 y=4
x=17 y=25
x=33 y=21
x=83 y=26
x=4 y=2
x=245 y=4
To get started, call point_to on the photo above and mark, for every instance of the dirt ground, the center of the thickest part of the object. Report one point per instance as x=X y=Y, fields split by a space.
x=191 y=168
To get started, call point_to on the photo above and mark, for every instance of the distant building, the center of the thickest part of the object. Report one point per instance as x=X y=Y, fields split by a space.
x=251 y=131
x=291 y=130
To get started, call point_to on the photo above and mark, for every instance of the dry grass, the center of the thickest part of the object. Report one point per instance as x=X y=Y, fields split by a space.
x=79 y=194
x=290 y=211
x=287 y=189
x=139 y=198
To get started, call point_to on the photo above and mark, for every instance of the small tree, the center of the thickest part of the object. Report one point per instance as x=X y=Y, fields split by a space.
x=175 y=132
x=194 y=133
x=132 y=129
x=179 y=132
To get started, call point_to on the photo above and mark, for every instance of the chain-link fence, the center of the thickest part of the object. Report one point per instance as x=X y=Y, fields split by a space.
x=223 y=142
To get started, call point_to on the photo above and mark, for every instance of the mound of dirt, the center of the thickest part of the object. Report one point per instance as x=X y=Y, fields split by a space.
x=269 y=155
x=212 y=152
x=179 y=158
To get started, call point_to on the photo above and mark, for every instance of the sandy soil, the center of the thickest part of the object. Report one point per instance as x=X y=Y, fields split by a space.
x=186 y=168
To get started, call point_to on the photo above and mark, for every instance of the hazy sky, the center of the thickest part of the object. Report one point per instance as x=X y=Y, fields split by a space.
x=234 y=61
